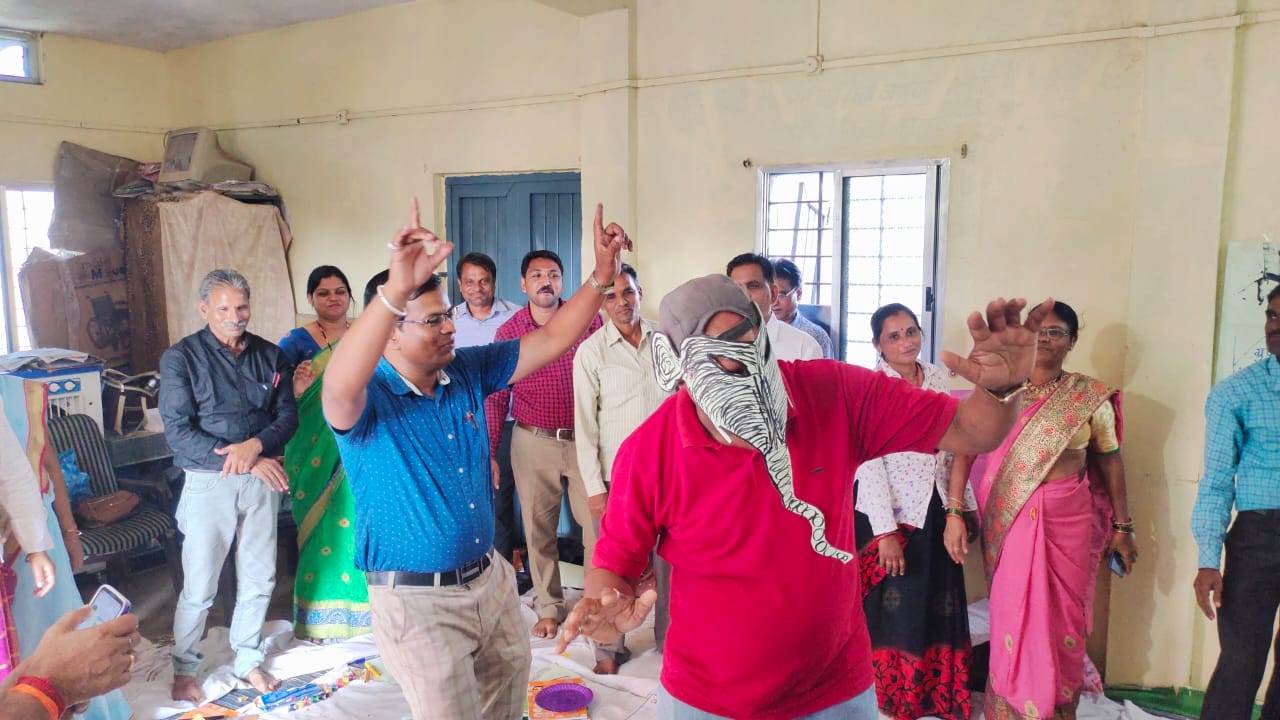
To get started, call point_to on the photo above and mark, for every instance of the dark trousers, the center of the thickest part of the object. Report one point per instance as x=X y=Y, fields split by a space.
x=1250 y=597
x=505 y=528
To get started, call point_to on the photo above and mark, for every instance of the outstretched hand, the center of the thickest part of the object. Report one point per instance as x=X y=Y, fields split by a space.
x=609 y=243
x=1004 y=346
x=607 y=618
x=416 y=252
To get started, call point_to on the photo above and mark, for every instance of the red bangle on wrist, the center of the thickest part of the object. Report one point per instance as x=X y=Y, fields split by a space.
x=44 y=691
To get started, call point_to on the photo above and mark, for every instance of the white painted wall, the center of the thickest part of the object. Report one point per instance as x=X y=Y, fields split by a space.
x=408 y=74
x=106 y=97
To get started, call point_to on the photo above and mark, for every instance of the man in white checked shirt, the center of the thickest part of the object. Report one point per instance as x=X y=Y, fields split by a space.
x=614 y=390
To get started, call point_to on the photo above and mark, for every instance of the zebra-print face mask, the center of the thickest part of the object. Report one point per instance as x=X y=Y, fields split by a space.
x=749 y=403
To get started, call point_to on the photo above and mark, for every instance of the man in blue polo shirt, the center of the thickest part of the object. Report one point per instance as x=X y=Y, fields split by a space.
x=409 y=415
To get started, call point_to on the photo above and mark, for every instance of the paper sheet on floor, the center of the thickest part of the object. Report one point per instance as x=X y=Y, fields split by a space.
x=630 y=695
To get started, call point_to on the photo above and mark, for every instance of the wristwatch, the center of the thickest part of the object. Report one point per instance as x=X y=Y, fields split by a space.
x=1007 y=394
x=597 y=285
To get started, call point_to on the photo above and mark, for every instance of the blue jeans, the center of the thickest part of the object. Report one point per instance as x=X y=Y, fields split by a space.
x=861 y=707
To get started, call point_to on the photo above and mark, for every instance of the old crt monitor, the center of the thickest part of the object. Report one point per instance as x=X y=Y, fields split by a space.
x=193 y=154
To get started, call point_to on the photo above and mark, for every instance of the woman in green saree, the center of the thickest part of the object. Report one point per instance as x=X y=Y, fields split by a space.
x=330 y=599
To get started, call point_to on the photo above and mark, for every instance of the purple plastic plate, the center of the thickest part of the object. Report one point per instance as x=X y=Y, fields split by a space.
x=563 y=697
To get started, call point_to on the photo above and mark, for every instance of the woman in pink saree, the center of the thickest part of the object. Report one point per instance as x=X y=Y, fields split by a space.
x=1053 y=504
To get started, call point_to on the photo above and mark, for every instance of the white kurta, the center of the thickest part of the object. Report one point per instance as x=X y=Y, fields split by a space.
x=895 y=489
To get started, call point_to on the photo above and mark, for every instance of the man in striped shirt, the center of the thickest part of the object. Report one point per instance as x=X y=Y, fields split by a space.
x=542 y=447
x=614 y=390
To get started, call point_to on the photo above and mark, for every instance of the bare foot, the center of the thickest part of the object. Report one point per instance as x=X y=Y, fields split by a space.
x=186 y=689
x=606 y=667
x=262 y=681
x=546 y=628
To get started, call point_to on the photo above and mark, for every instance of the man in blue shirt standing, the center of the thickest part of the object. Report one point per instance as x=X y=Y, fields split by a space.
x=1242 y=466
x=409 y=415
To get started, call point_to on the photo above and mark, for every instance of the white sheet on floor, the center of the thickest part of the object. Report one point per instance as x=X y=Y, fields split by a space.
x=630 y=695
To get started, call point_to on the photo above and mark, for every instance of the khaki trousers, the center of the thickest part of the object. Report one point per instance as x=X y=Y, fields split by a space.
x=538 y=464
x=459 y=651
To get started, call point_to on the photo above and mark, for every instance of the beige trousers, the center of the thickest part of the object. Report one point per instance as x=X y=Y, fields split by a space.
x=460 y=651
x=538 y=464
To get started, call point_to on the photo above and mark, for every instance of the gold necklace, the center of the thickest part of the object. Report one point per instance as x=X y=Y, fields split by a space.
x=1036 y=392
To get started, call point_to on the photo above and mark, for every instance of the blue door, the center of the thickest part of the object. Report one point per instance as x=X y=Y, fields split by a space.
x=506 y=216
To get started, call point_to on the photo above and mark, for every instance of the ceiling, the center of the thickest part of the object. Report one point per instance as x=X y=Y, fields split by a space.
x=170 y=24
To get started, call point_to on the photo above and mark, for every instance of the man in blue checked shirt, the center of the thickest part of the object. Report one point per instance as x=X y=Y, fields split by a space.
x=1242 y=466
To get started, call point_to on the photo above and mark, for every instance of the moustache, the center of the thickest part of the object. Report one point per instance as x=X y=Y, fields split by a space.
x=237 y=325
x=545 y=289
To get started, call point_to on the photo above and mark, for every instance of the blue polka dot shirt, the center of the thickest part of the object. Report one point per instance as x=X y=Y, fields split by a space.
x=419 y=465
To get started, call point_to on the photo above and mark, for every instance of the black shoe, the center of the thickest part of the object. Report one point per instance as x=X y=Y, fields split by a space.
x=523 y=582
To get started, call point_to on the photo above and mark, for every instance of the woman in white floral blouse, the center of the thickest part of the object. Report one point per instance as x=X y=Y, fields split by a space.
x=914 y=592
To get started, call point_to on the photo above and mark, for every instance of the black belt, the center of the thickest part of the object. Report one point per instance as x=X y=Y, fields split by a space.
x=1272 y=514
x=562 y=434
x=461 y=576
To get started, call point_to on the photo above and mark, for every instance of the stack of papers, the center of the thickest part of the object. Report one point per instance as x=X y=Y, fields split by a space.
x=45 y=359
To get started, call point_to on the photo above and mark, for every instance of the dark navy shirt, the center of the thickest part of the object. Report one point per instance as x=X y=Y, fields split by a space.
x=211 y=399
x=419 y=465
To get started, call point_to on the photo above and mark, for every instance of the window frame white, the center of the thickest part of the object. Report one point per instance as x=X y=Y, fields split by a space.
x=9 y=303
x=938 y=172
x=31 y=41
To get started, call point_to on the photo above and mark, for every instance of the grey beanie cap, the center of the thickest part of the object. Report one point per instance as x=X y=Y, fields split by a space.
x=685 y=311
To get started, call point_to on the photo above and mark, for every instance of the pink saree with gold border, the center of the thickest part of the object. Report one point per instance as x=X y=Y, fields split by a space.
x=1042 y=543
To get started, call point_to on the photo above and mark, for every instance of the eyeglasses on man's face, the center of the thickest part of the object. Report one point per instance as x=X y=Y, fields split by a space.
x=790 y=294
x=432 y=320
x=1054 y=333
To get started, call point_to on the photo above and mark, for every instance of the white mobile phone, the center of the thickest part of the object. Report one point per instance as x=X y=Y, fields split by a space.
x=108 y=604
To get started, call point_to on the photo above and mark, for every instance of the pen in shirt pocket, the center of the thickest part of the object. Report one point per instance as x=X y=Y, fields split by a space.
x=471 y=418
x=275 y=381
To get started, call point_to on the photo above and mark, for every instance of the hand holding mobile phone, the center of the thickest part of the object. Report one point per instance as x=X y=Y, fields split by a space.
x=1116 y=563
x=108 y=604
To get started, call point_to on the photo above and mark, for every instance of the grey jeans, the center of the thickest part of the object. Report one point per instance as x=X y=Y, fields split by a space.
x=211 y=510
x=860 y=707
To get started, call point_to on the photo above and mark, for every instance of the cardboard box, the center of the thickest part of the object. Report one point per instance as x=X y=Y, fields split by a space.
x=78 y=301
